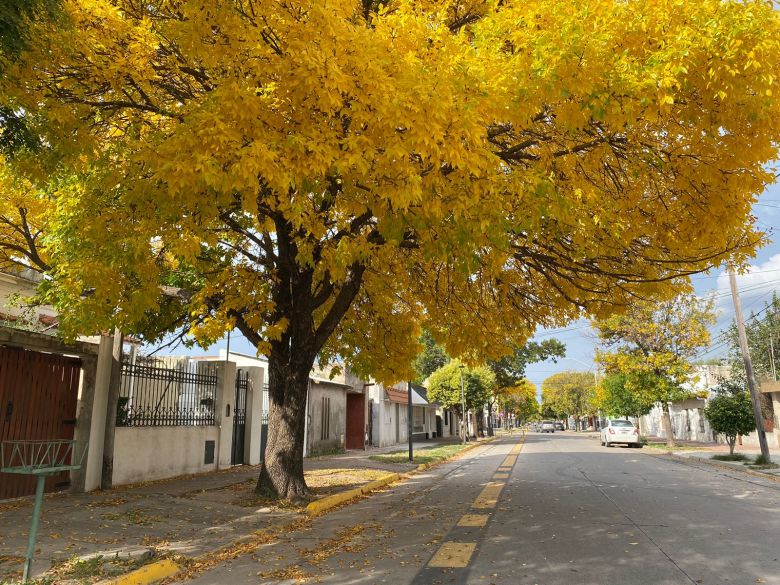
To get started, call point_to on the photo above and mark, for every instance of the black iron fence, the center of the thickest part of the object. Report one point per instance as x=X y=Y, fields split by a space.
x=156 y=392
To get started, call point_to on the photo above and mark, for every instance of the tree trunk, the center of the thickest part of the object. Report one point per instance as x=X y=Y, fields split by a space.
x=490 y=419
x=731 y=440
x=667 y=422
x=281 y=473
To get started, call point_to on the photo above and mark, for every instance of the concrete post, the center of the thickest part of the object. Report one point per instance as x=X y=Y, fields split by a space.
x=111 y=407
x=97 y=427
x=84 y=418
x=226 y=392
x=254 y=416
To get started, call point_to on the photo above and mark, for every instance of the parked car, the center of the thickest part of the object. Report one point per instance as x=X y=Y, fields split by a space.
x=620 y=432
x=558 y=425
x=548 y=426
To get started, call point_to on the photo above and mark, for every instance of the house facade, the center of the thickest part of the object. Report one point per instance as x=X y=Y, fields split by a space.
x=689 y=422
x=389 y=415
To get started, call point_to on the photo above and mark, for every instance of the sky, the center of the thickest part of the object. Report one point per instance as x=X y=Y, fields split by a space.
x=756 y=287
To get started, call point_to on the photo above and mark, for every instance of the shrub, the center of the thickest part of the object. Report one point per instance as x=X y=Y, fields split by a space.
x=730 y=413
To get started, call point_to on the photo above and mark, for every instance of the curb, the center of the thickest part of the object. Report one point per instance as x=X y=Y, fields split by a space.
x=692 y=462
x=147 y=574
x=318 y=507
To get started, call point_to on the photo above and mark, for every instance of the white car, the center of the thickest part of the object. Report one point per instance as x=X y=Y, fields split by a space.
x=548 y=426
x=621 y=432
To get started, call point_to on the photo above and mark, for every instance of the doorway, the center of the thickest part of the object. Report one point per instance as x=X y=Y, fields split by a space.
x=356 y=421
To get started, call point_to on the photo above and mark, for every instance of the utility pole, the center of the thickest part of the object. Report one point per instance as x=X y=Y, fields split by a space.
x=751 y=380
x=409 y=413
x=463 y=405
x=772 y=357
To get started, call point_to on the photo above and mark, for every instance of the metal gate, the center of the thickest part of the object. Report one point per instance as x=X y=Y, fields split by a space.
x=38 y=394
x=239 y=418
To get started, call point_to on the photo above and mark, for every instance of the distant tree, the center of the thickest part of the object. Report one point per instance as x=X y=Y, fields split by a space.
x=444 y=387
x=653 y=344
x=730 y=412
x=617 y=398
x=520 y=400
x=510 y=369
x=570 y=393
x=431 y=358
x=763 y=333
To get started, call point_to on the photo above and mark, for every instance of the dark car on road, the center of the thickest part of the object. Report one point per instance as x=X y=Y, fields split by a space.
x=558 y=425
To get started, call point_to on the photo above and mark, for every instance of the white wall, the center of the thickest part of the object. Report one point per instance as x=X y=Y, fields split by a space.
x=690 y=424
x=149 y=453
x=335 y=437
x=385 y=419
x=21 y=287
x=688 y=421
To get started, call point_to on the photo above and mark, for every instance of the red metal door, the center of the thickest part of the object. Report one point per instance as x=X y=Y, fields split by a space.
x=356 y=421
x=38 y=395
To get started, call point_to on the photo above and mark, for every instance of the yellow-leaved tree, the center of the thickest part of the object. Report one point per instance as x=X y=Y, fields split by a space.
x=651 y=347
x=24 y=209
x=570 y=394
x=331 y=177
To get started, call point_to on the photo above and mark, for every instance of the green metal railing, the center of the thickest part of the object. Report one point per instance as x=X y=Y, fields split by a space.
x=41 y=459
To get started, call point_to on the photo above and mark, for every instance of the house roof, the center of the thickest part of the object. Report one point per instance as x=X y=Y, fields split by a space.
x=402 y=397
x=398 y=396
x=318 y=380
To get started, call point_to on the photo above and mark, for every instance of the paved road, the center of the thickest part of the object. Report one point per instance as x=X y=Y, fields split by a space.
x=561 y=510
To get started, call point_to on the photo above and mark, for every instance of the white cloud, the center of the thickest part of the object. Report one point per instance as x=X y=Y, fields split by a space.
x=755 y=286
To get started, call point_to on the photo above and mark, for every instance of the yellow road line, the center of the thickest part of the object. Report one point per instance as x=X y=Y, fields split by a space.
x=500 y=475
x=509 y=461
x=488 y=497
x=478 y=520
x=453 y=555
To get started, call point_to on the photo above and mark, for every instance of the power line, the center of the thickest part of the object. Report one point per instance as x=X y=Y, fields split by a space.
x=723 y=335
x=702 y=277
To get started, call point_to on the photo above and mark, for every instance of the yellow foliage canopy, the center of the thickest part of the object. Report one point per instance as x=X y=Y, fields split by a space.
x=653 y=344
x=328 y=177
x=24 y=210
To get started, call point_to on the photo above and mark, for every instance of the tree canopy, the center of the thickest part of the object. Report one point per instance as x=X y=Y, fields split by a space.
x=730 y=412
x=444 y=386
x=510 y=369
x=332 y=178
x=431 y=357
x=762 y=328
x=520 y=400
x=617 y=395
x=569 y=393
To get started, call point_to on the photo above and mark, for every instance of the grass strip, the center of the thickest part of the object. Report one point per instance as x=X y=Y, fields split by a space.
x=422 y=456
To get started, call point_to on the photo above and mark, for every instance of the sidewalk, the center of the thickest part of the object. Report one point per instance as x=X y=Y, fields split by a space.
x=189 y=515
x=706 y=452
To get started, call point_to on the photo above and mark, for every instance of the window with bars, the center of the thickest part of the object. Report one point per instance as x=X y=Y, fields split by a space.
x=325 y=419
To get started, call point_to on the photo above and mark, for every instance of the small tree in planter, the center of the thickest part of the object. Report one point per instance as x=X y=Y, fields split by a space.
x=730 y=413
